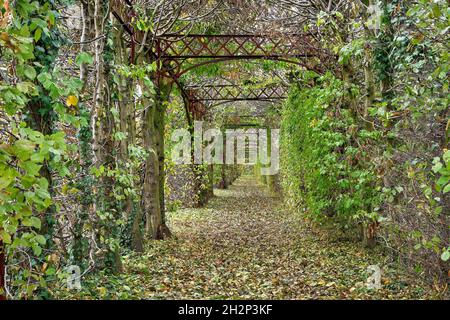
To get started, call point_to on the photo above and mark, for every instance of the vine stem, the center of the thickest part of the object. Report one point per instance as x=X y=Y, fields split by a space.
x=2 y=272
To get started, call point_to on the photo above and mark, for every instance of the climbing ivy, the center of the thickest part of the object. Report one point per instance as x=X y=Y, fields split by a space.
x=320 y=158
x=33 y=95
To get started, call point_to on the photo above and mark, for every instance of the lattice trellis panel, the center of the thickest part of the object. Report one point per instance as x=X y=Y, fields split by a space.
x=178 y=54
x=176 y=51
x=236 y=93
x=237 y=46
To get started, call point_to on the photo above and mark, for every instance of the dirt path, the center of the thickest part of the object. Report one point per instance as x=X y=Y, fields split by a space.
x=244 y=245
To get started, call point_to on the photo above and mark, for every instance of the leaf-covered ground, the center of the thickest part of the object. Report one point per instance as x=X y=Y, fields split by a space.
x=244 y=245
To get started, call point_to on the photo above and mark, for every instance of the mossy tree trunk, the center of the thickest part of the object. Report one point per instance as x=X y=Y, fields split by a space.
x=104 y=147
x=85 y=184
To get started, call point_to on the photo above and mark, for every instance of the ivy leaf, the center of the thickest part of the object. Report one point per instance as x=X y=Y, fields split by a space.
x=45 y=78
x=51 y=19
x=446 y=189
x=437 y=167
x=37 y=250
x=446 y=157
x=5 y=181
x=29 y=72
x=84 y=57
x=50 y=271
x=43 y=183
x=40 y=239
x=32 y=222
x=436 y=10
x=443 y=180
x=37 y=34
x=38 y=157
x=26 y=87
x=23 y=149
x=5 y=236
x=445 y=255
x=31 y=168
x=71 y=101
x=339 y=15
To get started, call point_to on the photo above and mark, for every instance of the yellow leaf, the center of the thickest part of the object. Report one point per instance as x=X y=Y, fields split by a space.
x=102 y=290
x=72 y=101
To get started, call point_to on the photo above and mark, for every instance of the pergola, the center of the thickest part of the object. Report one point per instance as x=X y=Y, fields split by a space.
x=178 y=54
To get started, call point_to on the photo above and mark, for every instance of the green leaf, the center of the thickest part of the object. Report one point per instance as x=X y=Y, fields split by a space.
x=51 y=18
x=446 y=156
x=436 y=10
x=38 y=157
x=445 y=255
x=5 y=236
x=50 y=271
x=443 y=180
x=24 y=149
x=26 y=87
x=40 y=239
x=31 y=168
x=45 y=78
x=29 y=72
x=446 y=189
x=437 y=167
x=32 y=222
x=37 y=250
x=5 y=180
x=37 y=34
